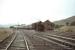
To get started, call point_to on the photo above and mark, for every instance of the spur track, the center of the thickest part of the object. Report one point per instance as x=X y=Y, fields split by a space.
x=68 y=43
x=45 y=42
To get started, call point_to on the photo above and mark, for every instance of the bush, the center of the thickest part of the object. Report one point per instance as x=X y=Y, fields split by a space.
x=67 y=23
x=72 y=23
x=58 y=26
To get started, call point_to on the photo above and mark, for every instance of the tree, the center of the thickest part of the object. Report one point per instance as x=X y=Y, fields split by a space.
x=11 y=26
x=67 y=23
x=58 y=26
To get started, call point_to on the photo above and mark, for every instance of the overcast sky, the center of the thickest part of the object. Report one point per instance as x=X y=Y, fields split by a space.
x=29 y=11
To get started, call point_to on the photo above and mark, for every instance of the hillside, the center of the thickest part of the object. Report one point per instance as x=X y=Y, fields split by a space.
x=63 y=22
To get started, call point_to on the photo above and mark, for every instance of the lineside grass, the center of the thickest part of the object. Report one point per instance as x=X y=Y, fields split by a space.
x=68 y=29
x=4 y=33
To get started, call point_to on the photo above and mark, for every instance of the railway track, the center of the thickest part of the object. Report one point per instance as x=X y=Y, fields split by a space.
x=20 y=43
x=11 y=42
x=16 y=42
x=49 y=42
x=6 y=43
x=61 y=37
x=65 y=42
x=26 y=42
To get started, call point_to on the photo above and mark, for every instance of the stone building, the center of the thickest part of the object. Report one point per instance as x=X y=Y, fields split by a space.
x=38 y=26
x=48 y=25
x=43 y=26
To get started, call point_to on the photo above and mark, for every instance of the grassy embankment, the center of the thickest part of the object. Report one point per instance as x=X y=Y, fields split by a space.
x=4 y=33
x=67 y=29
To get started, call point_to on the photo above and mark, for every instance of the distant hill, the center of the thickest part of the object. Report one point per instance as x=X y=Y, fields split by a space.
x=1 y=26
x=6 y=26
x=63 y=22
